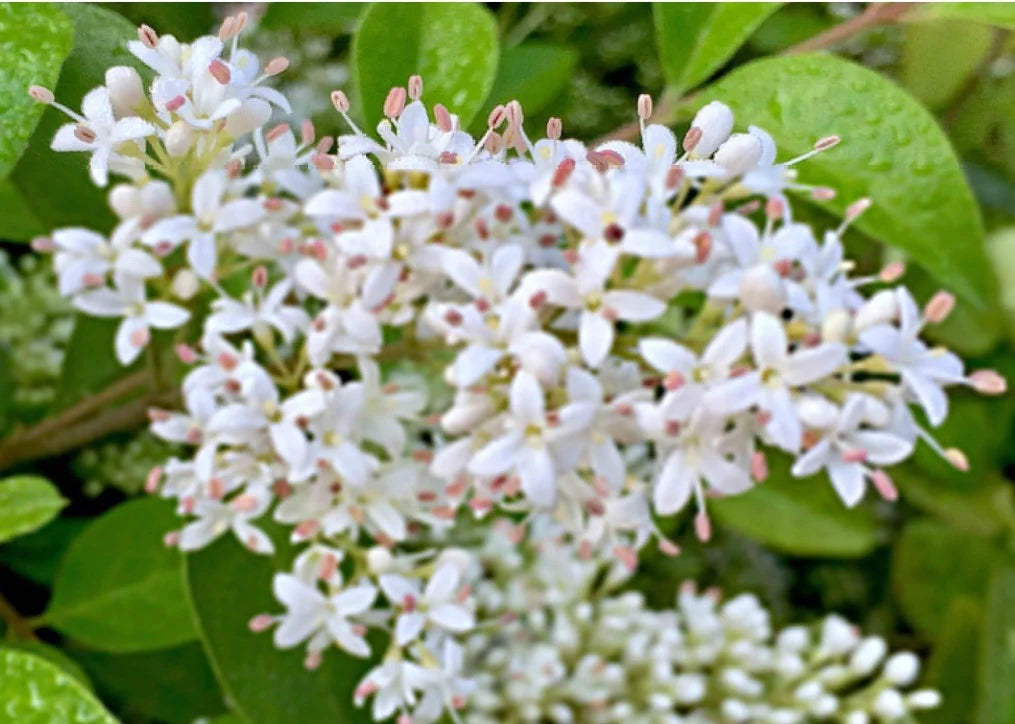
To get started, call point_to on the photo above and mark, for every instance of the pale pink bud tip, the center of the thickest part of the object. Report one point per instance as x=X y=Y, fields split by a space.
x=276 y=65
x=171 y=539
x=826 y=143
x=884 y=485
x=148 y=37
x=989 y=382
x=703 y=527
x=43 y=95
x=415 y=87
x=939 y=307
x=43 y=245
x=395 y=102
x=644 y=106
x=261 y=622
x=312 y=661
x=892 y=272
x=957 y=458
x=857 y=208
x=340 y=100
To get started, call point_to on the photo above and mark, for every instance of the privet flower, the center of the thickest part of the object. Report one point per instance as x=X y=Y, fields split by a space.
x=524 y=281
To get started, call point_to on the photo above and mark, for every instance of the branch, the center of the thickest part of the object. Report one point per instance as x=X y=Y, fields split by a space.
x=86 y=422
x=874 y=15
x=16 y=623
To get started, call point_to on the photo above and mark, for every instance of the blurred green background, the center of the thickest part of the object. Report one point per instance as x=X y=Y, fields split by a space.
x=934 y=572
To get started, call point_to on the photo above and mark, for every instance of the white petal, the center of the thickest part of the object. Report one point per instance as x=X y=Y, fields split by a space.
x=527 y=399
x=809 y=365
x=847 y=479
x=595 y=337
x=127 y=334
x=674 y=486
x=452 y=617
x=768 y=340
x=497 y=456
x=633 y=306
x=666 y=356
x=539 y=479
x=163 y=315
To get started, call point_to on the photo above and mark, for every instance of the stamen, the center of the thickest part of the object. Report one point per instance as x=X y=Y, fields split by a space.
x=220 y=71
x=186 y=354
x=702 y=526
x=42 y=95
x=957 y=458
x=307 y=133
x=939 y=307
x=644 y=106
x=759 y=467
x=443 y=118
x=276 y=66
x=892 y=272
x=152 y=480
x=340 y=101
x=148 y=37
x=415 y=87
x=260 y=622
x=394 y=104
x=988 y=382
x=884 y=485
x=554 y=129
x=692 y=138
x=279 y=130
x=496 y=117
x=43 y=245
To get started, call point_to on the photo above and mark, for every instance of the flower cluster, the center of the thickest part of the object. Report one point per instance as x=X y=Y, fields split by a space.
x=597 y=336
x=572 y=650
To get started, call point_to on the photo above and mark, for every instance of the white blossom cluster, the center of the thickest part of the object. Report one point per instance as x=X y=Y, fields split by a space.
x=543 y=282
x=570 y=649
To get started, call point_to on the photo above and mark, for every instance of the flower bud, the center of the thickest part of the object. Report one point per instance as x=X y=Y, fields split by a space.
x=868 y=655
x=125 y=200
x=185 y=284
x=253 y=114
x=924 y=699
x=902 y=668
x=714 y=122
x=179 y=138
x=882 y=308
x=739 y=154
x=889 y=705
x=379 y=560
x=816 y=411
x=157 y=199
x=126 y=92
x=836 y=326
x=762 y=289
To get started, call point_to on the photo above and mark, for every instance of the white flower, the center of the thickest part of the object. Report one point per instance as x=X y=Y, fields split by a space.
x=846 y=449
x=437 y=604
x=777 y=373
x=215 y=517
x=924 y=370
x=211 y=215
x=322 y=619
x=258 y=312
x=526 y=445
x=584 y=290
x=84 y=258
x=127 y=300
x=99 y=132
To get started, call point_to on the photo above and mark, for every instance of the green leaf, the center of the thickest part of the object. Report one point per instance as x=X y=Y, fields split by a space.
x=695 y=39
x=34 y=40
x=184 y=20
x=119 y=587
x=53 y=655
x=892 y=151
x=997 y=663
x=172 y=685
x=534 y=74
x=228 y=586
x=34 y=691
x=56 y=186
x=1001 y=14
x=935 y=564
x=17 y=222
x=37 y=555
x=334 y=18
x=453 y=46
x=954 y=663
x=981 y=508
x=940 y=56
x=799 y=517
x=88 y=364
x=27 y=502
x=1001 y=247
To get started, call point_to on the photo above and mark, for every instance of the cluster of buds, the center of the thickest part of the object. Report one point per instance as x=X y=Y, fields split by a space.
x=400 y=335
x=570 y=648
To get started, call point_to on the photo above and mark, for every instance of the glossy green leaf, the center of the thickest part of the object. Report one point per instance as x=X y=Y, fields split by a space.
x=119 y=587
x=799 y=517
x=534 y=74
x=892 y=152
x=53 y=655
x=184 y=20
x=1001 y=14
x=453 y=46
x=1001 y=248
x=954 y=662
x=35 y=691
x=228 y=586
x=34 y=40
x=983 y=508
x=695 y=39
x=997 y=662
x=27 y=502
x=88 y=365
x=933 y=565
x=17 y=221
x=56 y=186
x=938 y=58
x=171 y=685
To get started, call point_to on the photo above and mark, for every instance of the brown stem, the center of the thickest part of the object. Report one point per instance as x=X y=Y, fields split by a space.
x=78 y=429
x=875 y=14
x=16 y=623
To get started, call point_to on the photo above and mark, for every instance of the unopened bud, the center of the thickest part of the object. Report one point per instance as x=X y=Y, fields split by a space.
x=126 y=92
x=185 y=284
x=179 y=138
x=762 y=289
x=739 y=154
x=714 y=123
